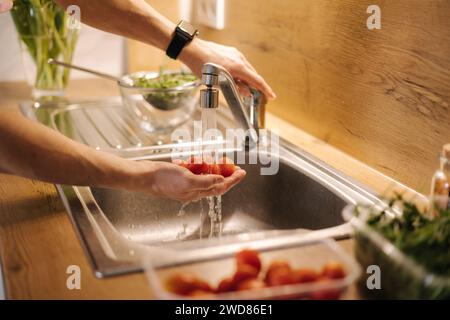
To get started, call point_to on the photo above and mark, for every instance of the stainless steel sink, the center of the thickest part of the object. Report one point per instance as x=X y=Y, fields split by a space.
x=285 y=201
x=120 y=229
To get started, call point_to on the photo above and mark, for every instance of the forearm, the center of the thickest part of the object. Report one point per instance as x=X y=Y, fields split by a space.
x=34 y=151
x=133 y=19
x=138 y=20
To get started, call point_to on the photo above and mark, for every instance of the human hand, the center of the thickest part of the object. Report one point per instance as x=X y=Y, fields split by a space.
x=5 y=5
x=168 y=180
x=199 y=52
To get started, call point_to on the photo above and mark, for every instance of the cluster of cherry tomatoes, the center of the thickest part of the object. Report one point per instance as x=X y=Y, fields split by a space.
x=248 y=276
x=197 y=165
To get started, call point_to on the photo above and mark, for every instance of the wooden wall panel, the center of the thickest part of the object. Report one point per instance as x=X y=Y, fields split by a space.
x=145 y=57
x=381 y=96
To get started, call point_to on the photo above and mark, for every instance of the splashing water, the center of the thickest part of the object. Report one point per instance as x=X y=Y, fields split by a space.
x=215 y=216
x=210 y=155
x=182 y=210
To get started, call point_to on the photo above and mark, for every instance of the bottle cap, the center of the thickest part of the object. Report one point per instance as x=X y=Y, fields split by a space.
x=446 y=151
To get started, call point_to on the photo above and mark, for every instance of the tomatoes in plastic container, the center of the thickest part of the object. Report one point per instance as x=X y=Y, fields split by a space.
x=185 y=284
x=244 y=272
x=226 y=285
x=279 y=273
x=305 y=275
x=333 y=270
x=248 y=257
x=250 y=275
x=251 y=284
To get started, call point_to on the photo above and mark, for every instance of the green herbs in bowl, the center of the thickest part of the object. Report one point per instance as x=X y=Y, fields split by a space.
x=164 y=81
x=411 y=250
x=167 y=91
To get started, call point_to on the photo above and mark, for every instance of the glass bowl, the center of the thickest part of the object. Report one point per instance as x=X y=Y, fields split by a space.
x=159 y=109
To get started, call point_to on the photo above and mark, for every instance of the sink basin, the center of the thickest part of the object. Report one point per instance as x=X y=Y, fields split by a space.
x=120 y=230
x=302 y=202
x=287 y=200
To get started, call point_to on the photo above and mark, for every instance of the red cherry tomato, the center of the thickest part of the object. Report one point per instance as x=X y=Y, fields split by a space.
x=226 y=285
x=251 y=284
x=226 y=166
x=184 y=284
x=279 y=273
x=333 y=270
x=214 y=169
x=244 y=272
x=305 y=275
x=248 y=257
x=196 y=165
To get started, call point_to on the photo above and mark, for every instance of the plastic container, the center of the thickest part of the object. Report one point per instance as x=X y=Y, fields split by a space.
x=401 y=276
x=313 y=254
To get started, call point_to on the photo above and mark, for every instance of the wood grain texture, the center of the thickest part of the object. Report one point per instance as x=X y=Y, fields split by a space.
x=381 y=96
x=145 y=57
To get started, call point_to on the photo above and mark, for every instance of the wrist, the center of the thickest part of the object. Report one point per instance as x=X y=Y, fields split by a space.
x=136 y=176
x=110 y=171
x=194 y=55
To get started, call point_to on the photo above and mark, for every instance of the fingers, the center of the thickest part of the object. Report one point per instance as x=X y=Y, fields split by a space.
x=234 y=179
x=216 y=189
x=252 y=78
x=205 y=182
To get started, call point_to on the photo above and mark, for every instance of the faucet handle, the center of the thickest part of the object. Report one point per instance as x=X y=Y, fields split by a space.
x=259 y=106
x=255 y=104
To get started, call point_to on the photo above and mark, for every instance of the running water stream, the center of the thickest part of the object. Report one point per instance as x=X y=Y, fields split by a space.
x=209 y=155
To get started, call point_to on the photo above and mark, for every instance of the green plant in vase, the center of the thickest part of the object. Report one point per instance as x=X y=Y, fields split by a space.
x=44 y=33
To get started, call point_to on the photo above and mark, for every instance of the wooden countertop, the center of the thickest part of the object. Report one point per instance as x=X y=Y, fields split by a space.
x=38 y=242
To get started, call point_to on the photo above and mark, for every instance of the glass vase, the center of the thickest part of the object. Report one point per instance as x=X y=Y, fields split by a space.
x=44 y=33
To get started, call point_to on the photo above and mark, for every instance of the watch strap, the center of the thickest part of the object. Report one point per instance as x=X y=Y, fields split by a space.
x=179 y=41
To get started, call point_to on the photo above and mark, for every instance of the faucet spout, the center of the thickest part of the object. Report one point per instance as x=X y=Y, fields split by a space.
x=215 y=75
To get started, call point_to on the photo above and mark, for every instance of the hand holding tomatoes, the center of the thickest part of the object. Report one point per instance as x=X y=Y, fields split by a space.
x=224 y=166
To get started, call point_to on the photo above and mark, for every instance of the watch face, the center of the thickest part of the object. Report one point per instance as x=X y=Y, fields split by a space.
x=187 y=28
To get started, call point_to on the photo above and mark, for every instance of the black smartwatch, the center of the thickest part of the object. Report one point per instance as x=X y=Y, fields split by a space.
x=184 y=33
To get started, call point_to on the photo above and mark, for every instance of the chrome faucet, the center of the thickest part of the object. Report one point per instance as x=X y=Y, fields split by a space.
x=215 y=75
